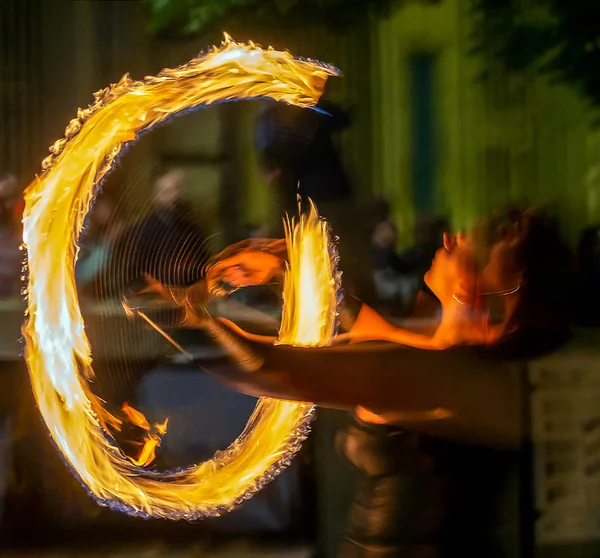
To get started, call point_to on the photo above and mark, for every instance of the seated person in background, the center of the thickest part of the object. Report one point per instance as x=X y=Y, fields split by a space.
x=298 y=157
x=168 y=244
x=385 y=256
x=103 y=232
x=11 y=257
x=395 y=281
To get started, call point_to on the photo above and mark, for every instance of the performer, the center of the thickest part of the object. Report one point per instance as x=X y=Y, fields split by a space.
x=501 y=301
x=488 y=290
x=423 y=402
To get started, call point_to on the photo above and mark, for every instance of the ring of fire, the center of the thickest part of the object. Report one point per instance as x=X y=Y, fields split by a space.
x=57 y=351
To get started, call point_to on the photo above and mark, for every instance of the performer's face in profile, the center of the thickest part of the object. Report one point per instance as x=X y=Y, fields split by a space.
x=449 y=273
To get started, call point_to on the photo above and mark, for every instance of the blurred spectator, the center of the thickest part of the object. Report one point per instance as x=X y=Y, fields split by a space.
x=13 y=385
x=394 y=280
x=168 y=244
x=429 y=238
x=102 y=233
x=399 y=277
x=297 y=153
x=11 y=257
x=298 y=158
x=385 y=238
x=381 y=211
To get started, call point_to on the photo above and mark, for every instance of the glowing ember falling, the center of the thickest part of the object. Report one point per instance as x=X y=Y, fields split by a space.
x=311 y=283
x=57 y=350
x=147 y=453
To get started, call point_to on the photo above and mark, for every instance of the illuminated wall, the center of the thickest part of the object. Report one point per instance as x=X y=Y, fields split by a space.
x=506 y=139
x=509 y=138
x=483 y=143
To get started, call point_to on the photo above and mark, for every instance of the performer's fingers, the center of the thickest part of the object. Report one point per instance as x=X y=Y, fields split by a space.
x=448 y=241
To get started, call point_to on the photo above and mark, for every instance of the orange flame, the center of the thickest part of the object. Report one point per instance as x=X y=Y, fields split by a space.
x=147 y=453
x=57 y=349
x=309 y=309
x=135 y=417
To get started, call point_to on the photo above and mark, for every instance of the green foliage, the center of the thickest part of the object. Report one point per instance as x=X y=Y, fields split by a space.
x=559 y=37
x=185 y=17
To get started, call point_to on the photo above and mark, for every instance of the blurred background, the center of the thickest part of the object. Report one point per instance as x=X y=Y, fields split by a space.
x=448 y=111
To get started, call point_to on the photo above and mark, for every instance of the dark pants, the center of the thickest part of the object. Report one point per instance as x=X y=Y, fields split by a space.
x=400 y=501
x=420 y=497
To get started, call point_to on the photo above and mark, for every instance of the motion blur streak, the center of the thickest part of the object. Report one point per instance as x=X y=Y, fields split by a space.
x=57 y=349
x=311 y=283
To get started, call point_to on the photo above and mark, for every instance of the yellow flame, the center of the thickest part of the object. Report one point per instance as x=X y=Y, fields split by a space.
x=57 y=350
x=310 y=284
x=135 y=417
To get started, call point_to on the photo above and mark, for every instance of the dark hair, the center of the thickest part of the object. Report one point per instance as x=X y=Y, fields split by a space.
x=544 y=307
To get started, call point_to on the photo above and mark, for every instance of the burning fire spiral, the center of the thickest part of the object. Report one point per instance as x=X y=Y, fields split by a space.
x=57 y=350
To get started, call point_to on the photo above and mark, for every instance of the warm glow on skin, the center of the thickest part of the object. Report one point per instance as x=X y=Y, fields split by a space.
x=58 y=352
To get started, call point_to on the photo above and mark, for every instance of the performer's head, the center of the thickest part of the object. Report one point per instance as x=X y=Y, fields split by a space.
x=511 y=278
x=531 y=260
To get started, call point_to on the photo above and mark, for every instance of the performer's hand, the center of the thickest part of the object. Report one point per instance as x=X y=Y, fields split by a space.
x=248 y=263
x=152 y=287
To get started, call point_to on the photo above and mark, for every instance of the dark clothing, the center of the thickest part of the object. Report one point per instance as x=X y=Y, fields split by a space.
x=424 y=497
x=418 y=258
x=351 y=223
x=297 y=143
x=387 y=258
x=325 y=181
x=166 y=245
